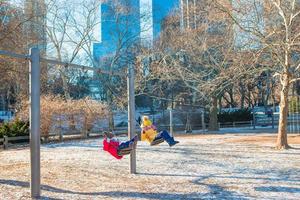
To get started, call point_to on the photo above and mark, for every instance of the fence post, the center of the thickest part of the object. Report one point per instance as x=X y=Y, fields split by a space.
x=131 y=115
x=254 y=120
x=85 y=128
x=188 y=126
x=171 y=121
x=60 y=134
x=34 y=99
x=5 y=142
x=273 y=121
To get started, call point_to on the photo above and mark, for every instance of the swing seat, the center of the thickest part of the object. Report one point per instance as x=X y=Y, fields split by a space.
x=124 y=152
x=157 y=141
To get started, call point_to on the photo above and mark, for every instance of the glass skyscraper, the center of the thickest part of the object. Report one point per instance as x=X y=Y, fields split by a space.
x=120 y=27
x=153 y=13
x=128 y=22
x=160 y=10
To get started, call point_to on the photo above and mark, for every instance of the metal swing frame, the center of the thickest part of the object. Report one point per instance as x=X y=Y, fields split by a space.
x=35 y=59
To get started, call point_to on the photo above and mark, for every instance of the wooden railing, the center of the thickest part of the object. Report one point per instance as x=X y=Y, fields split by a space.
x=6 y=140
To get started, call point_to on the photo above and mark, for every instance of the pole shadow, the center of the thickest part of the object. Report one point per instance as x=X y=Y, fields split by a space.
x=216 y=192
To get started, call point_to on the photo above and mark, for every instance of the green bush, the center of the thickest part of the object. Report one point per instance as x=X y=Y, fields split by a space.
x=14 y=128
x=238 y=115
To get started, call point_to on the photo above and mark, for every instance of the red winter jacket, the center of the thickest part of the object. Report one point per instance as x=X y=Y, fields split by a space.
x=112 y=147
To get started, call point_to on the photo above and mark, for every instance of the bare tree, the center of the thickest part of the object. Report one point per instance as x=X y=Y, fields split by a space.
x=272 y=29
x=200 y=56
x=119 y=47
x=69 y=32
x=13 y=82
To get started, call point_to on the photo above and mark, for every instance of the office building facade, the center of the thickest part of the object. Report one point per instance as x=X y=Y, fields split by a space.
x=120 y=28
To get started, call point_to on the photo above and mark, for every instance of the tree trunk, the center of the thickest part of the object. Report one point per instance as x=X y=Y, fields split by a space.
x=72 y=122
x=111 y=113
x=213 y=115
x=64 y=77
x=282 y=129
x=220 y=103
x=111 y=120
x=242 y=98
x=273 y=101
x=65 y=86
x=232 y=102
x=249 y=99
x=2 y=101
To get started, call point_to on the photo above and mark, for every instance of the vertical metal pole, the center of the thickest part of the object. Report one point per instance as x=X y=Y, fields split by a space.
x=34 y=99
x=203 y=122
x=171 y=121
x=131 y=115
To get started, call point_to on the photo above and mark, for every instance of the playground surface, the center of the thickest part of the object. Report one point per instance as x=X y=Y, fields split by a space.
x=222 y=166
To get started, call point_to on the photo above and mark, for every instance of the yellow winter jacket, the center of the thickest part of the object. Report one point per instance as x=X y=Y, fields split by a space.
x=149 y=131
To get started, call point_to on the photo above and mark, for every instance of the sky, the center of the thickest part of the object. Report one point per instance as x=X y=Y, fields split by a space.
x=146 y=22
x=149 y=26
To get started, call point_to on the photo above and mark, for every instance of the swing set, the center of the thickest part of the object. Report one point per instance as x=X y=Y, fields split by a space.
x=118 y=150
x=35 y=59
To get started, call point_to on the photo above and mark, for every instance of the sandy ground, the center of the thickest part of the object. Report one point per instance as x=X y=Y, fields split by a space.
x=226 y=166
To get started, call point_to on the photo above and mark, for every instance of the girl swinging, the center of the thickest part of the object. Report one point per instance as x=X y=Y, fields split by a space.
x=149 y=133
x=112 y=145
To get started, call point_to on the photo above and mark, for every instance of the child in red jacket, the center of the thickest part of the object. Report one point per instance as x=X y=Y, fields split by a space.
x=112 y=145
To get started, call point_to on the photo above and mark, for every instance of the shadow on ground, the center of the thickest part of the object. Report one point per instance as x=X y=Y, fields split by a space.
x=278 y=189
x=200 y=179
x=215 y=192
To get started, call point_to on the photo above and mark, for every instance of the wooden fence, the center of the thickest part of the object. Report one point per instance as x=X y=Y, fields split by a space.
x=6 y=141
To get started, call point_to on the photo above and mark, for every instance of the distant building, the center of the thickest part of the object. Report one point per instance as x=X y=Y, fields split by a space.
x=249 y=15
x=153 y=13
x=192 y=13
x=161 y=9
x=119 y=33
x=125 y=24
x=128 y=22
x=120 y=27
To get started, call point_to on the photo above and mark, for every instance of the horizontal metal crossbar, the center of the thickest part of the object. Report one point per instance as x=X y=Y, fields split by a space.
x=14 y=55
x=26 y=57
x=83 y=67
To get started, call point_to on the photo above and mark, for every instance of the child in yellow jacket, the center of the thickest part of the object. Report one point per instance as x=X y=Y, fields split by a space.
x=149 y=133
